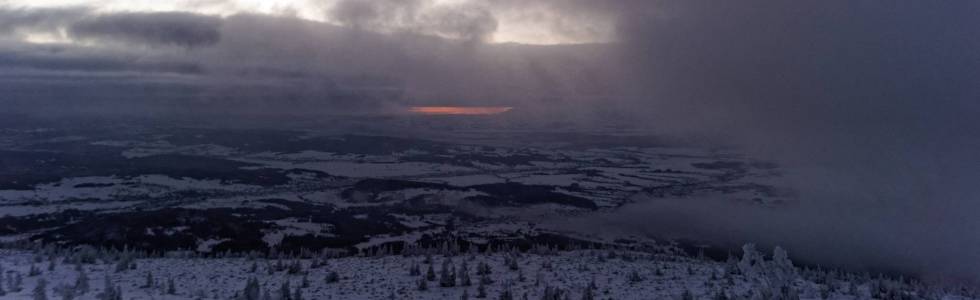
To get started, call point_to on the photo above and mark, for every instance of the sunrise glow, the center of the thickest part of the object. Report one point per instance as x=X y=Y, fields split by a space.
x=459 y=110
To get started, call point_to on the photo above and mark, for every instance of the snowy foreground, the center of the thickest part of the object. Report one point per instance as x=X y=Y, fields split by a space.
x=580 y=274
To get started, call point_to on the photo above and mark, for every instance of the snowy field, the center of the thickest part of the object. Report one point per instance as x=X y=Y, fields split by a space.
x=580 y=274
x=212 y=190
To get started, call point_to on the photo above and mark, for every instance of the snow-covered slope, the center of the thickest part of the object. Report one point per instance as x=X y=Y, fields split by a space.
x=578 y=274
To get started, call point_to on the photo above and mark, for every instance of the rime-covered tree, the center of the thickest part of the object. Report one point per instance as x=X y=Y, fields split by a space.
x=66 y=292
x=587 y=294
x=731 y=265
x=546 y=265
x=148 y=282
x=790 y=293
x=284 y=292
x=171 y=287
x=332 y=277
x=15 y=282
x=124 y=263
x=81 y=283
x=781 y=270
x=481 y=291
x=553 y=293
x=109 y=291
x=512 y=263
x=506 y=294
x=252 y=290
x=464 y=275
x=751 y=259
x=2 y=291
x=422 y=285
x=304 y=282
x=297 y=293
x=430 y=273
x=294 y=268
x=825 y=292
x=635 y=277
x=40 y=290
x=414 y=270
x=483 y=269
x=33 y=271
x=447 y=275
x=687 y=295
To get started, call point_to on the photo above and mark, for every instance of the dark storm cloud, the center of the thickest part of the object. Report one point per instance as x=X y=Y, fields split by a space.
x=166 y=29
x=70 y=58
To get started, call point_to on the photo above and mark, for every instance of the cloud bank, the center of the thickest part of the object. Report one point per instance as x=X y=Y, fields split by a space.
x=869 y=106
x=153 y=29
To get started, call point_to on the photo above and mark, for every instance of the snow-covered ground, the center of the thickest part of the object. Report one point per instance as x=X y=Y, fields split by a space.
x=604 y=274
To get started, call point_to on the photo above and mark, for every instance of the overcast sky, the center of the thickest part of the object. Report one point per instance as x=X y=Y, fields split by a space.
x=383 y=53
x=531 y=23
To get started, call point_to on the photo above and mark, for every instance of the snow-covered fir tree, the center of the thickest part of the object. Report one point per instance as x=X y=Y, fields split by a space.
x=284 y=292
x=332 y=277
x=171 y=287
x=447 y=275
x=82 y=283
x=148 y=282
x=481 y=290
x=40 y=290
x=33 y=271
x=298 y=293
x=252 y=290
x=430 y=273
x=3 y=292
x=464 y=275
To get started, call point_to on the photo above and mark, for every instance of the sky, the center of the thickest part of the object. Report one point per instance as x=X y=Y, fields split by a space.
x=870 y=105
x=533 y=24
x=341 y=56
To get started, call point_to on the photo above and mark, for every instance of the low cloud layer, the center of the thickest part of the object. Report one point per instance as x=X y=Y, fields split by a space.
x=153 y=29
x=869 y=106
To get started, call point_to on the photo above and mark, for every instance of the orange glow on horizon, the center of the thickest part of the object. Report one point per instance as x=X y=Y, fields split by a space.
x=459 y=110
